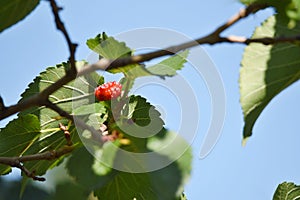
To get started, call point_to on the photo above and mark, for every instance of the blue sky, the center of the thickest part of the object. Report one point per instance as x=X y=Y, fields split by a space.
x=230 y=171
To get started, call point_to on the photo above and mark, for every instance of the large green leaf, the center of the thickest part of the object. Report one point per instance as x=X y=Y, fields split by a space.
x=72 y=95
x=18 y=136
x=267 y=70
x=287 y=191
x=91 y=173
x=165 y=183
x=53 y=141
x=12 y=11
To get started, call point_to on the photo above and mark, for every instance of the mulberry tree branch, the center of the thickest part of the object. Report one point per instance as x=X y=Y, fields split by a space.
x=103 y=64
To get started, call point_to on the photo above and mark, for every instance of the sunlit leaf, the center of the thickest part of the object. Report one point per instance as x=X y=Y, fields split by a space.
x=108 y=47
x=169 y=66
x=71 y=96
x=267 y=70
x=287 y=191
x=142 y=119
x=18 y=136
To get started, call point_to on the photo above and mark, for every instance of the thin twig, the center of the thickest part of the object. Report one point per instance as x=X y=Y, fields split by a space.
x=60 y=26
x=253 y=8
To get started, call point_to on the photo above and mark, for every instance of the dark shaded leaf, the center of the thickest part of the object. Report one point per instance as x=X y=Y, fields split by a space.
x=12 y=11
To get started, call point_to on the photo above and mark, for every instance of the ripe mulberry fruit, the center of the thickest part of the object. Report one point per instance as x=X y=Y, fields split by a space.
x=108 y=91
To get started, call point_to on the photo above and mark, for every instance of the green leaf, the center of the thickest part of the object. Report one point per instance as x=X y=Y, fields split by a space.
x=71 y=96
x=108 y=47
x=141 y=118
x=267 y=70
x=18 y=136
x=104 y=157
x=287 y=191
x=86 y=174
x=93 y=174
x=174 y=147
x=165 y=183
x=12 y=11
x=54 y=140
x=90 y=109
x=169 y=66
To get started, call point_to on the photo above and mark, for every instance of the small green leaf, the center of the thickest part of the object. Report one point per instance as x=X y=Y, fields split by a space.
x=141 y=118
x=18 y=136
x=12 y=11
x=90 y=109
x=287 y=191
x=108 y=47
x=267 y=70
x=169 y=66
